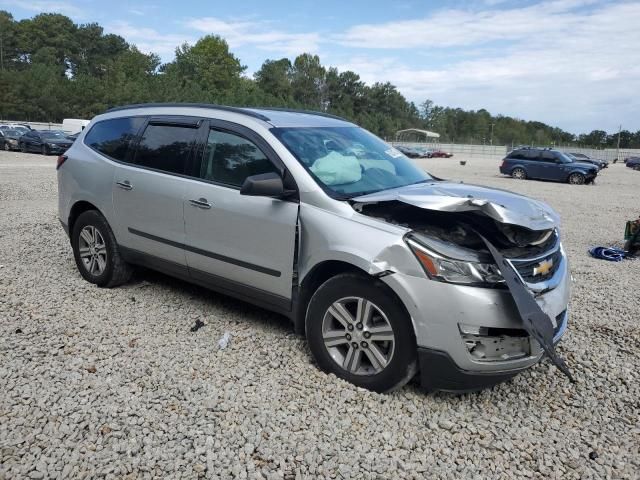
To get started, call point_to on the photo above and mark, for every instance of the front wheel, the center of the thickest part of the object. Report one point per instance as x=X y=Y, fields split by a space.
x=96 y=252
x=519 y=173
x=359 y=331
x=576 y=179
x=7 y=148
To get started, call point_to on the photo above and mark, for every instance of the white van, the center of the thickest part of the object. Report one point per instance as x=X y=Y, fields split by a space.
x=74 y=125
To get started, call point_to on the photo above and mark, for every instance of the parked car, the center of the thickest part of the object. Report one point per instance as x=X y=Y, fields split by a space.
x=423 y=151
x=547 y=164
x=633 y=162
x=377 y=262
x=441 y=154
x=15 y=126
x=44 y=141
x=10 y=139
x=581 y=157
x=408 y=151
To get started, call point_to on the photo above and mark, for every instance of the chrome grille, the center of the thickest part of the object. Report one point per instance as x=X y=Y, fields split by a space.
x=527 y=268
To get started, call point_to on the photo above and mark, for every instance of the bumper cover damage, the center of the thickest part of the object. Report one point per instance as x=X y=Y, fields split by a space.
x=534 y=319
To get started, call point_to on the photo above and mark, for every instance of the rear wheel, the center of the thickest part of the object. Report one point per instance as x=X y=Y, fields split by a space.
x=519 y=173
x=576 y=179
x=359 y=331
x=96 y=252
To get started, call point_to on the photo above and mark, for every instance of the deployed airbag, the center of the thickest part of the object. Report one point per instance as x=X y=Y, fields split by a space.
x=337 y=169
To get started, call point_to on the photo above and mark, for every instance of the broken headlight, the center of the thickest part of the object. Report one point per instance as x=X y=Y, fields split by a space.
x=450 y=270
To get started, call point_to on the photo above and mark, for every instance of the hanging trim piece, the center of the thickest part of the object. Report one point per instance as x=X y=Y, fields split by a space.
x=534 y=319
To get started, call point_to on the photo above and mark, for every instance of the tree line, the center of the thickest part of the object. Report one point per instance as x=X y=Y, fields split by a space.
x=52 y=68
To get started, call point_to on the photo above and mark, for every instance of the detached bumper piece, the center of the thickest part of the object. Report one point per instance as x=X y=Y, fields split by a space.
x=534 y=319
x=439 y=372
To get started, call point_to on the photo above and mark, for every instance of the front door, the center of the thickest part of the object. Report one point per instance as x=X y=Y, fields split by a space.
x=242 y=243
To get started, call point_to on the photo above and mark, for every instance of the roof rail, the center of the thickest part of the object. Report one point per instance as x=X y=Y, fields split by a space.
x=193 y=105
x=298 y=110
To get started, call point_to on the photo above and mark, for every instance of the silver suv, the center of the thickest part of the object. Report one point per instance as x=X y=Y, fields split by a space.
x=387 y=270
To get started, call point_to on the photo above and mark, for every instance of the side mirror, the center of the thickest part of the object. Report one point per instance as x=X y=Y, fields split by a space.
x=264 y=185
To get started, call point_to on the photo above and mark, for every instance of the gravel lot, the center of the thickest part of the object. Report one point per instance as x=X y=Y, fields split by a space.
x=112 y=383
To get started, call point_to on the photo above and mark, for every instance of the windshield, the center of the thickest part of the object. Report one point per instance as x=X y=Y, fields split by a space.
x=52 y=135
x=349 y=161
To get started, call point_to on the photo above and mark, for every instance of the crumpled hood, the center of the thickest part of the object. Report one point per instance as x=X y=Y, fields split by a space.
x=501 y=205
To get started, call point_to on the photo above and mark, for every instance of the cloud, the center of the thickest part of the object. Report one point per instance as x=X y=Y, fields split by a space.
x=42 y=6
x=566 y=62
x=149 y=40
x=257 y=34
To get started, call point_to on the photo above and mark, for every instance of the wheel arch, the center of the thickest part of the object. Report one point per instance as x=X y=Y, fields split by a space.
x=78 y=209
x=322 y=272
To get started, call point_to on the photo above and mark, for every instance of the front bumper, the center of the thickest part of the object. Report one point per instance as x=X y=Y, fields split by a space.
x=438 y=371
x=440 y=310
x=58 y=148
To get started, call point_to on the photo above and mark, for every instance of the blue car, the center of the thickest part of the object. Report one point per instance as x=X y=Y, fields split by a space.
x=547 y=164
x=633 y=162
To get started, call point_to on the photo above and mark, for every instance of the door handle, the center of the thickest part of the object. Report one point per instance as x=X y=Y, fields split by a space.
x=200 y=203
x=125 y=185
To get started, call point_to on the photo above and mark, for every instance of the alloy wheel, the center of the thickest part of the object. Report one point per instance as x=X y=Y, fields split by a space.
x=93 y=250
x=576 y=179
x=518 y=173
x=358 y=336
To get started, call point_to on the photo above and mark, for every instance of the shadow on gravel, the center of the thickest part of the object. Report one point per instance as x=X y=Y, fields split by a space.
x=251 y=314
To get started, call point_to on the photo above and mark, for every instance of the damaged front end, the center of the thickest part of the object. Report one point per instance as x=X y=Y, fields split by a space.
x=478 y=237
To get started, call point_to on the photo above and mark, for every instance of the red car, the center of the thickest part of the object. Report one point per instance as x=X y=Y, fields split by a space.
x=441 y=154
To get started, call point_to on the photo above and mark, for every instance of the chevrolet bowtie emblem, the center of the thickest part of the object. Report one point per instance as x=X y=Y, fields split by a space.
x=543 y=267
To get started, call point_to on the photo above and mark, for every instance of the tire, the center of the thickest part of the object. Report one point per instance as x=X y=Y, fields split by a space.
x=576 y=179
x=383 y=364
x=7 y=148
x=115 y=271
x=23 y=148
x=519 y=173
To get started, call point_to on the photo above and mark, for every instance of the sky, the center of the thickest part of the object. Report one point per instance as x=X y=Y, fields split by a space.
x=574 y=64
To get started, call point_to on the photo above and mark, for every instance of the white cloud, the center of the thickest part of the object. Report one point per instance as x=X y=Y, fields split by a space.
x=257 y=34
x=576 y=68
x=149 y=40
x=46 y=6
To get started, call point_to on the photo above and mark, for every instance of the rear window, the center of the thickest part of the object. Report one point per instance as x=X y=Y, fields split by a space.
x=165 y=147
x=112 y=137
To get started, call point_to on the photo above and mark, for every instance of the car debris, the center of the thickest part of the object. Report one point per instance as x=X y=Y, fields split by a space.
x=224 y=341
x=197 y=326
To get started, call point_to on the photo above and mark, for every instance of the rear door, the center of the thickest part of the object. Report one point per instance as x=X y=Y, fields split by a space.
x=242 y=243
x=548 y=166
x=149 y=190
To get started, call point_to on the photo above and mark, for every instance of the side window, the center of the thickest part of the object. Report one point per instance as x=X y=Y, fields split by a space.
x=230 y=159
x=112 y=137
x=532 y=155
x=165 y=147
x=517 y=155
x=548 y=157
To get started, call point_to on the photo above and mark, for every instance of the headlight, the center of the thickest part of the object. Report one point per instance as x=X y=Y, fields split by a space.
x=449 y=270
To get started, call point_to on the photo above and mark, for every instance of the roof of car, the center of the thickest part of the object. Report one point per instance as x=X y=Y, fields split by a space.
x=278 y=117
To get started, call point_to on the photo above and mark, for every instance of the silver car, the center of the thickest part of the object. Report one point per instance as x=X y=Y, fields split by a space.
x=388 y=271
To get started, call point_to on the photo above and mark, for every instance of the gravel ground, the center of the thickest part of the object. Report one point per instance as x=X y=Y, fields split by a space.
x=112 y=383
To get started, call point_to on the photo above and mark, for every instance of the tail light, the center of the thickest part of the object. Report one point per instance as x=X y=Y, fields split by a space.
x=502 y=164
x=61 y=160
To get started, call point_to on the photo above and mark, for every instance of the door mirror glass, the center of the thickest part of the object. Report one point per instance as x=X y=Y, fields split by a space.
x=263 y=185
